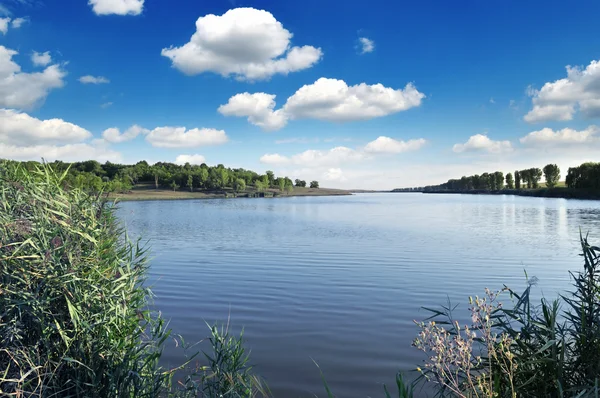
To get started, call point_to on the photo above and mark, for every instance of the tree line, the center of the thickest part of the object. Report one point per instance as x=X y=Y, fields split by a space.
x=113 y=177
x=585 y=176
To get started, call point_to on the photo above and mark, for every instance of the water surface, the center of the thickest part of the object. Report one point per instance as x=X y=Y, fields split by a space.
x=339 y=280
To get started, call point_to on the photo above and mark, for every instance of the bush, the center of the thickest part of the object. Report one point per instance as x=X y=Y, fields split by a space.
x=74 y=319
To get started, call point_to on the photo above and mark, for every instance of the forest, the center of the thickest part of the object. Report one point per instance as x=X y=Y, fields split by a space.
x=112 y=177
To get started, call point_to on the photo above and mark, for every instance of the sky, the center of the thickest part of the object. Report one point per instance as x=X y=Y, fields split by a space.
x=356 y=95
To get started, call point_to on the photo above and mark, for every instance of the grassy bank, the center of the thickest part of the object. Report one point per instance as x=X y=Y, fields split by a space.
x=148 y=192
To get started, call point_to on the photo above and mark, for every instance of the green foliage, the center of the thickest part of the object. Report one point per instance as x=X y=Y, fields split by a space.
x=585 y=176
x=521 y=350
x=300 y=183
x=239 y=185
x=510 y=182
x=517 y=180
x=75 y=318
x=190 y=182
x=314 y=184
x=552 y=175
x=281 y=184
x=174 y=186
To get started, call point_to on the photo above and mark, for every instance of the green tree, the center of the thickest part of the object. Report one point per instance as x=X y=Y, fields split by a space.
x=510 y=182
x=552 y=175
x=270 y=178
x=174 y=185
x=535 y=176
x=300 y=183
x=239 y=185
x=499 y=180
x=259 y=185
x=314 y=184
x=203 y=176
x=224 y=178
x=517 y=180
x=281 y=183
x=190 y=182
x=265 y=181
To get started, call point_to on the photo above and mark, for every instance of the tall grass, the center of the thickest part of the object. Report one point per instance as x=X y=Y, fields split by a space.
x=74 y=309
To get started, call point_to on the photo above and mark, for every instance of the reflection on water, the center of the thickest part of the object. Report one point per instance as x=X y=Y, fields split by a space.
x=340 y=279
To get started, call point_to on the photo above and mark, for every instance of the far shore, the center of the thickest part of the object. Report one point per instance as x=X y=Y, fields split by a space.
x=558 y=192
x=146 y=193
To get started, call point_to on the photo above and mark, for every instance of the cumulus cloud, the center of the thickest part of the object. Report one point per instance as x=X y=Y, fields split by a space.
x=258 y=107
x=68 y=153
x=18 y=128
x=334 y=174
x=4 y=22
x=246 y=43
x=366 y=45
x=566 y=136
x=274 y=158
x=482 y=143
x=106 y=105
x=24 y=90
x=180 y=137
x=18 y=22
x=41 y=59
x=23 y=137
x=114 y=135
x=389 y=145
x=561 y=99
x=191 y=159
x=118 y=7
x=326 y=99
x=89 y=79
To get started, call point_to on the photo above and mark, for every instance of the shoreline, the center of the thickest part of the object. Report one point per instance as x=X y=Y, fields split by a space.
x=165 y=194
x=556 y=193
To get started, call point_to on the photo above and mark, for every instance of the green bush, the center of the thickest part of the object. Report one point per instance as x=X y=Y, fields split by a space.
x=74 y=309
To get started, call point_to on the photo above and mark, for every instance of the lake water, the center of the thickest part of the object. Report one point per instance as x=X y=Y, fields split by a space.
x=339 y=280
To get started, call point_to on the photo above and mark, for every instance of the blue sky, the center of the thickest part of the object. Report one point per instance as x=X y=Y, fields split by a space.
x=372 y=94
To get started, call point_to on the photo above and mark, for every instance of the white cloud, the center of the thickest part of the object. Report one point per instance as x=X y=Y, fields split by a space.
x=561 y=99
x=246 y=43
x=482 y=143
x=258 y=108
x=4 y=25
x=334 y=174
x=367 y=45
x=41 y=59
x=492 y=101
x=114 y=135
x=106 y=105
x=274 y=158
x=23 y=137
x=118 y=7
x=334 y=100
x=20 y=129
x=389 y=145
x=191 y=159
x=549 y=137
x=326 y=99
x=68 y=153
x=25 y=90
x=298 y=141
x=18 y=22
x=180 y=137
x=88 y=79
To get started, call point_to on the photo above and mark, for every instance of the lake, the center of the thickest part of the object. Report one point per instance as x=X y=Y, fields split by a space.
x=339 y=280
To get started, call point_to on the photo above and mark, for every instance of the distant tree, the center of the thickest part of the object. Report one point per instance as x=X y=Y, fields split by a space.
x=535 y=176
x=517 y=180
x=224 y=178
x=174 y=185
x=157 y=172
x=526 y=178
x=499 y=180
x=314 y=184
x=300 y=183
x=270 y=178
x=510 y=183
x=190 y=182
x=484 y=181
x=259 y=185
x=203 y=176
x=281 y=183
x=552 y=175
x=239 y=185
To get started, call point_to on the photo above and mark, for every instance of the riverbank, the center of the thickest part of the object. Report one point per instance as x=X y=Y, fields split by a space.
x=558 y=192
x=146 y=193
